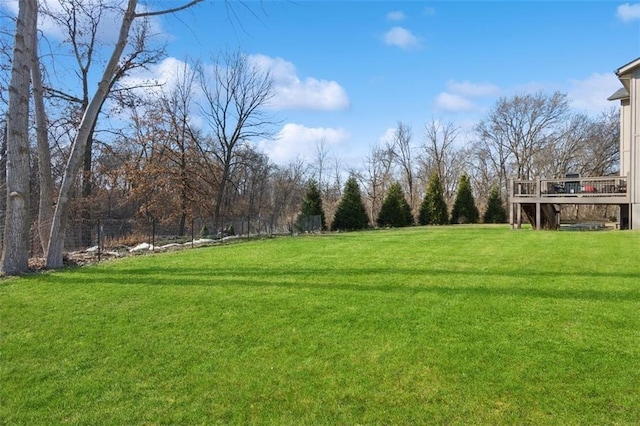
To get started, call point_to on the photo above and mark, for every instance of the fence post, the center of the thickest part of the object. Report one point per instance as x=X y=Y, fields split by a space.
x=99 y=240
x=153 y=234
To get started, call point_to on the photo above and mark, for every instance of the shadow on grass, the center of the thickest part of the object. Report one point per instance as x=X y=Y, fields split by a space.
x=476 y=283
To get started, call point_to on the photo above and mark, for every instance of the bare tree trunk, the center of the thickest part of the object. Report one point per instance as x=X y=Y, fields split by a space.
x=3 y=180
x=113 y=68
x=56 y=240
x=15 y=248
x=183 y=191
x=85 y=208
x=45 y=205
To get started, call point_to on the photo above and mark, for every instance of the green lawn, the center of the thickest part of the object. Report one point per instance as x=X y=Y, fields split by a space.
x=454 y=325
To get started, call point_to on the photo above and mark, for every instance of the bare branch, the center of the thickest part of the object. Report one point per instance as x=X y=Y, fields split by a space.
x=167 y=11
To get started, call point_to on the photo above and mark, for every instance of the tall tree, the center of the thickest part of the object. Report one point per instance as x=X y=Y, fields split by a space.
x=351 y=214
x=15 y=248
x=601 y=150
x=45 y=176
x=83 y=22
x=433 y=210
x=464 y=208
x=86 y=127
x=441 y=155
x=321 y=163
x=377 y=176
x=236 y=92
x=395 y=210
x=286 y=193
x=177 y=104
x=403 y=153
x=518 y=129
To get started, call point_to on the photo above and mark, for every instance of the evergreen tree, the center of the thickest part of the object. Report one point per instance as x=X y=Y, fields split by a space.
x=311 y=206
x=395 y=210
x=464 y=208
x=351 y=214
x=495 y=212
x=433 y=210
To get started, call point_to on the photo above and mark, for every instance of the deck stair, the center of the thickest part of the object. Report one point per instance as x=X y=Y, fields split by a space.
x=550 y=215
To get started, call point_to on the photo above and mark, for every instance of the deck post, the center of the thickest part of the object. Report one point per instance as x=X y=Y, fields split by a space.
x=511 y=203
x=511 y=207
x=538 y=206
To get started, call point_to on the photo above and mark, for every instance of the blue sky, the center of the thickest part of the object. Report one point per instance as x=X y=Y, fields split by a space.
x=347 y=71
x=380 y=62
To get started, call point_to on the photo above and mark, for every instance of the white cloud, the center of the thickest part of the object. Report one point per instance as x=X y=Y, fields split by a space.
x=452 y=102
x=474 y=90
x=402 y=38
x=108 y=28
x=289 y=93
x=166 y=74
x=388 y=135
x=293 y=93
x=298 y=141
x=397 y=16
x=628 y=12
x=590 y=94
x=459 y=95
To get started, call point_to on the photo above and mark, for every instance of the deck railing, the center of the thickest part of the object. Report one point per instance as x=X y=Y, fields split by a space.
x=607 y=186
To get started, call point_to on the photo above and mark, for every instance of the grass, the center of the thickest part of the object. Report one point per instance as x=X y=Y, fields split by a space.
x=454 y=325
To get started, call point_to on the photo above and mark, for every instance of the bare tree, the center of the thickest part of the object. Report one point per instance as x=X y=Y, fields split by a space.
x=377 y=176
x=519 y=129
x=82 y=22
x=561 y=154
x=441 y=154
x=113 y=69
x=45 y=176
x=236 y=93
x=5 y=74
x=177 y=105
x=287 y=189
x=320 y=165
x=15 y=248
x=403 y=151
x=601 y=150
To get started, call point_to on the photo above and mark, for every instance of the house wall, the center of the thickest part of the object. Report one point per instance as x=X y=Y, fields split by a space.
x=634 y=151
x=625 y=137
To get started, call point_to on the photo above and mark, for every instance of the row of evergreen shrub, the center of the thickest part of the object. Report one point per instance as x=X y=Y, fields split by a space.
x=351 y=214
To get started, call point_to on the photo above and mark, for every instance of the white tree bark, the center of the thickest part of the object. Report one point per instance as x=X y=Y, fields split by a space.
x=45 y=177
x=55 y=249
x=15 y=249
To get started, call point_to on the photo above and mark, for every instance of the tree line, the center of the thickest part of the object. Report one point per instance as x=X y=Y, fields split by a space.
x=187 y=148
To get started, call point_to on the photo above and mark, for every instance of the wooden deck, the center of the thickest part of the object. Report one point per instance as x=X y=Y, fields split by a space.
x=541 y=199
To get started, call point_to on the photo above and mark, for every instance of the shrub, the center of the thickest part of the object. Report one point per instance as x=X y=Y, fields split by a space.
x=395 y=210
x=351 y=214
x=464 y=208
x=433 y=210
x=495 y=212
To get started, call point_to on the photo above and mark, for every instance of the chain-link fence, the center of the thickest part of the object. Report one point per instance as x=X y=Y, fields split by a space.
x=309 y=223
x=108 y=237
